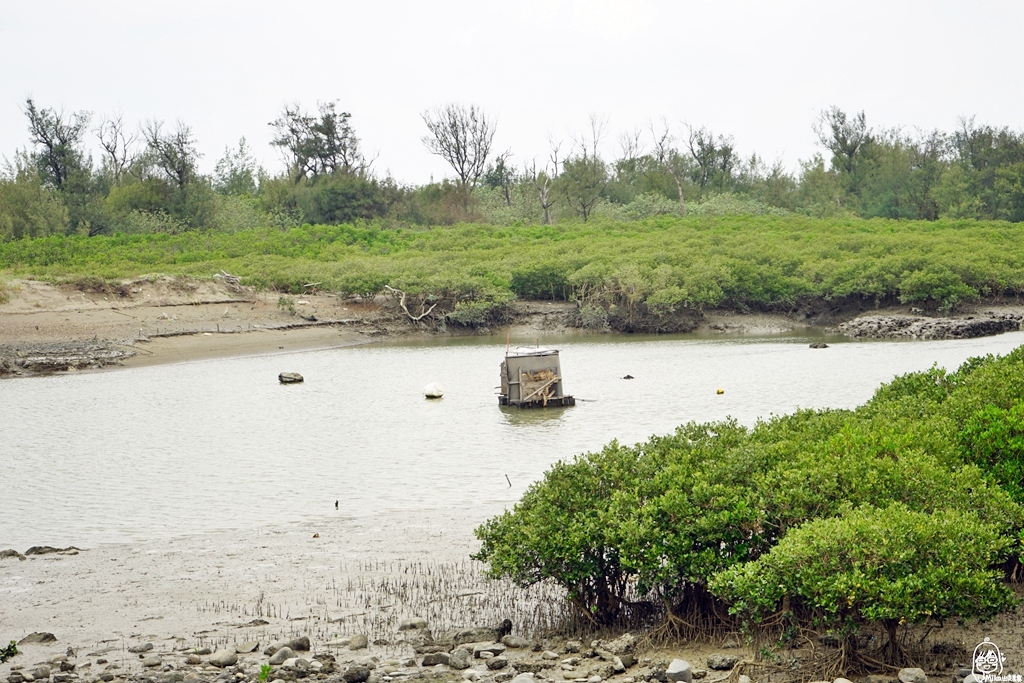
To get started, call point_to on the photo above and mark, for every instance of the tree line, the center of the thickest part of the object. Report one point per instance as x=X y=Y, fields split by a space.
x=146 y=179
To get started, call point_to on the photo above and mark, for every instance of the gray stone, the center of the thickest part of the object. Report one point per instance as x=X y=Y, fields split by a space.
x=15 y=677
x=524 y=678
x=37 y=637
x=151 y=661
x=503 y=677
x=62 y=678
x=289 y=378
x=679 y=670
x=722 y=662
x=594 y=679
x=193 y=660
x=223 y=658
x=476 y=634
x=472 y=675
x=358 y=642
x=374 y=678
x=139 y=649
x=517 y=642
x=912 y=675
x=461 y=658
x=338 y=642
x=206 y=651
x=40 y=673
x=250 y=646
x=621 y=645
x=300 y=644
x=493 y=648
x=356 y=674
x=627 y=660
x=548 y=654
x=412 y=624
x=618 y=666
x=275 y=646
x=435 y=658
x=746 y=679
x=495 y=663
x=282 y=654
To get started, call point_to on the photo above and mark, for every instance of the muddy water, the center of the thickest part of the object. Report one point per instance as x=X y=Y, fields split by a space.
x=198 y=448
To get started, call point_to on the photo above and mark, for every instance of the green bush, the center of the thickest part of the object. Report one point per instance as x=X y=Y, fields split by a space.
x=651 y=524
x=886 y=565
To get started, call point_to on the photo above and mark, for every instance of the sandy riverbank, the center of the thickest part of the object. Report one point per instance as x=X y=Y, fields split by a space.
x=46 y=327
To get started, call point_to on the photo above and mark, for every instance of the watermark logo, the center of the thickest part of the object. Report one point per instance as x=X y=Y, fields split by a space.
x=988 y=663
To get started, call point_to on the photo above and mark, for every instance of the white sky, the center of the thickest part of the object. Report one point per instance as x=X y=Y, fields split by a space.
x=758 y=70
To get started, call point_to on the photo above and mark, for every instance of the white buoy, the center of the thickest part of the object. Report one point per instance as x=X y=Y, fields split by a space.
x=433 y=390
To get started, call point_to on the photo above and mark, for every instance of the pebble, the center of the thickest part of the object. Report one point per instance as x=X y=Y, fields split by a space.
x=152 y=660
x=517 y=642
x=435 y=658
x=358 y=642
x=495 y=663
x=472 y=675
x=250 y=646
x=548 y=654
x=193 y=660
x=138 y=649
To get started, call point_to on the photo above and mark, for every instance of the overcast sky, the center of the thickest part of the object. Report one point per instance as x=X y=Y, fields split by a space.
x=757 y=70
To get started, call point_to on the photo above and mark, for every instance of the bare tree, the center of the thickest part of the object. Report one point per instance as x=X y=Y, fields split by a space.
x=173 y=153
x=118 y=146
x=542 y=179
x=669 y=159
x=462 y=136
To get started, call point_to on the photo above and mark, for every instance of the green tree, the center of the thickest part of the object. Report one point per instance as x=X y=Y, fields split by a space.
x=236 y=172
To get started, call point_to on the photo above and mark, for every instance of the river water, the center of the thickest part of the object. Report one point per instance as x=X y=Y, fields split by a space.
x=172 y=451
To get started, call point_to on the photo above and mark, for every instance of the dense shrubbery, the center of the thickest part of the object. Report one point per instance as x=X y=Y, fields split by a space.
x=648 y=270
x=895 y=512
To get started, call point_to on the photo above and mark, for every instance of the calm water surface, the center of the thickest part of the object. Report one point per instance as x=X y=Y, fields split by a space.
x=180 y=450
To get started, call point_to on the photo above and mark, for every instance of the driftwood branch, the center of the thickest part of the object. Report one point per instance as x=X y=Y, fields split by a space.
x=401 y=302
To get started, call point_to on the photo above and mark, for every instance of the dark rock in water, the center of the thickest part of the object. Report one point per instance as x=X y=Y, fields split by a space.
x=4 y=554
x=819 y=345
x=38 y=637
x=628 y=377
x=289 y=378
x=920 y=327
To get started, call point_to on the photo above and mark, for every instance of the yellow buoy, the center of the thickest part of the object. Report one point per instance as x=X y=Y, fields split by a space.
x=720 y=391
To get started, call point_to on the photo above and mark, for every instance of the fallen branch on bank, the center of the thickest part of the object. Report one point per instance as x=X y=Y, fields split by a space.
x=402 y=302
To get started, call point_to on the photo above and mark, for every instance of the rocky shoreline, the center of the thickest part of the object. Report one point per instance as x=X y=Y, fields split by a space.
x=925 y=328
